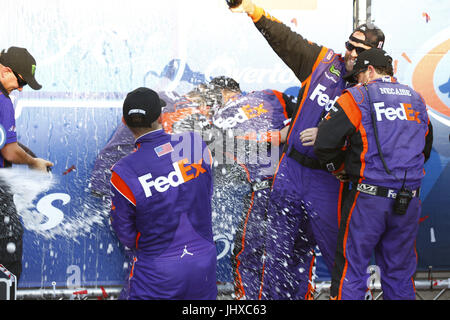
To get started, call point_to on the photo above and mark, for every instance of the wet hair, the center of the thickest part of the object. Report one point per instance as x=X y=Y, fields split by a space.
x=224 y=82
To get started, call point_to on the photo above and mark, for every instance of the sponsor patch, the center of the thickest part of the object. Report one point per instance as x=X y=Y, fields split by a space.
x=330 y=167
x=335 y=71
x=330 y=55
x=164 y=149
x=182 y=173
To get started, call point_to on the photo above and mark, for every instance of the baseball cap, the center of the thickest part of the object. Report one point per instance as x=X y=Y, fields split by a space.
x=21 y=62
x=374 y=36
x=142 y=107
x=374 y=57
x=224 y=82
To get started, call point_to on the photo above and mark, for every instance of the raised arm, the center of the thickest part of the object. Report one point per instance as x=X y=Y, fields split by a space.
x=298 y=53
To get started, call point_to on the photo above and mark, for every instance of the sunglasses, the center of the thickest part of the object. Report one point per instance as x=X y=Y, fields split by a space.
x=22 y=83
x=351 y=47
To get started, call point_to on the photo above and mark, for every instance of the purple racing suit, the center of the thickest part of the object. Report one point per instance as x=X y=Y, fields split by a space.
x=369 y=222
x=304 y=202
x=252 y=122
x=161 y=209
x=11 y=228
x=119 y=145
x=304 y=207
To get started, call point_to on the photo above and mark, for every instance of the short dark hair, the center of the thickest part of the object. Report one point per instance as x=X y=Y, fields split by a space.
x=386 y=71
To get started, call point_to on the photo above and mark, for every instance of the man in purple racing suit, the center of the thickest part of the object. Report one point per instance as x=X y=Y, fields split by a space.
x=389 y=136
x=17 y=69
x=161 y=207
x=304 y=206
x=251 y=124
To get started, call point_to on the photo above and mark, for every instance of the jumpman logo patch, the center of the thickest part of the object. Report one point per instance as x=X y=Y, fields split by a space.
x=186 y=252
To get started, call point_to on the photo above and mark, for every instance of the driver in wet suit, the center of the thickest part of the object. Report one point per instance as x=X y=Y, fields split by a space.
x=251 y=124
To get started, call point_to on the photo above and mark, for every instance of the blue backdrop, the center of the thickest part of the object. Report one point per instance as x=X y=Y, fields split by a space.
x=87 y=61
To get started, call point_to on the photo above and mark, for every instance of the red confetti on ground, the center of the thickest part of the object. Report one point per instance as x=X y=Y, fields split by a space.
x=80 y=292
x=104 y=294
x=423 y=219
x=426 y=16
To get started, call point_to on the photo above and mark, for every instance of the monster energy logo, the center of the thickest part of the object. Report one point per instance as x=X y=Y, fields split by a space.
x=33 y=69
x=335 y=71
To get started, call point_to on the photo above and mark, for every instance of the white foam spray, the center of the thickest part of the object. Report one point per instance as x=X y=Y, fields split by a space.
x=35 y=206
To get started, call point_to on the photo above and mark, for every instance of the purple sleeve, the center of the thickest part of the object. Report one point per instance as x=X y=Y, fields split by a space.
x=123 y=216
x=8 y=122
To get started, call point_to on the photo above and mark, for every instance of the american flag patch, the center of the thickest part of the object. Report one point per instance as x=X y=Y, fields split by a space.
x=164 y=149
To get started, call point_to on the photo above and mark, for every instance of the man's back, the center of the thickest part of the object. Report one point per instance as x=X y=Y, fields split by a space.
x=167 y=185
x=402 y=123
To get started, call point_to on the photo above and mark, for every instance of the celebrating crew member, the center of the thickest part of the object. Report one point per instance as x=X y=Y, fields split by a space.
x=17 y=69
x=390 y=136
x=161 y=207
x=175 y=117
x=256 y=124
x=304 y=207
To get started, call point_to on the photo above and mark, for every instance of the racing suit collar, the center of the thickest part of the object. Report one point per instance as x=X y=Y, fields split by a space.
x=150 y=136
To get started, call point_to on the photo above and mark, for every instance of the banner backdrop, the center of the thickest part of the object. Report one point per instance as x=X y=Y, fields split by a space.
x=91 y=53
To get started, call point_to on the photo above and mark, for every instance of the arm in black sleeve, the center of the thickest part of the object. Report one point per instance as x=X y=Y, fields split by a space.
x=331 y=138
x=428 y=142
x=298 y=53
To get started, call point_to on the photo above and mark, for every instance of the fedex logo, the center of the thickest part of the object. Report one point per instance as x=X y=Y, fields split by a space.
x=183 y=172
x=243 y=114
x=323 y=99
x=404 y=112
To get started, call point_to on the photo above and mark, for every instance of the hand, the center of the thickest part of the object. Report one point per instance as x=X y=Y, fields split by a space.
x=40 y=164
x=246 y=6
x=283 y=134
x=308 y=136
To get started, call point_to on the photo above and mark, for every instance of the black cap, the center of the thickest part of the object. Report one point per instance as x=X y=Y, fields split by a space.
x=21 y=62
x=374 y=36
x=224 y=82
x=373 y=57
x=142 y=107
